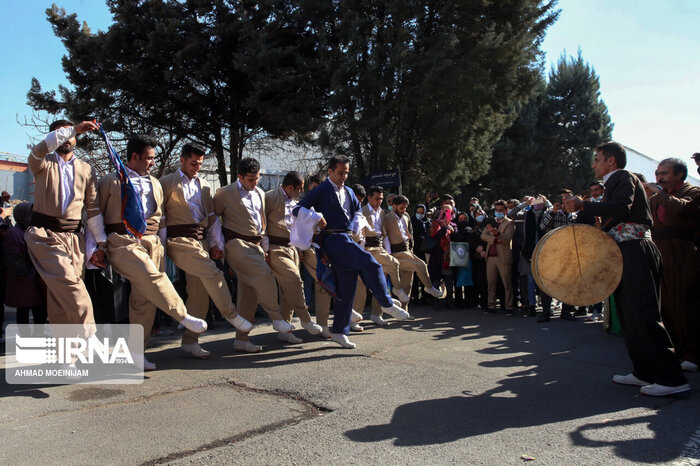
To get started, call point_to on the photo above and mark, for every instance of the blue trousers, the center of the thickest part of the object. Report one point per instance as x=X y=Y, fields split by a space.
x=349 y=260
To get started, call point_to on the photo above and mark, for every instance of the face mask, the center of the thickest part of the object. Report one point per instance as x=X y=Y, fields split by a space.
x=391 y=207
x=479 y=218
x=597 y=199
x=499 y=215
x=462 y=224
x=420 y=216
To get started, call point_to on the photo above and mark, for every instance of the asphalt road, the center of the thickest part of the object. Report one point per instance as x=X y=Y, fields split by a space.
x=449 y=387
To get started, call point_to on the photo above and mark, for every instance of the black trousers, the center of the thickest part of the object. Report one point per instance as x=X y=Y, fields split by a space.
x=638 y=304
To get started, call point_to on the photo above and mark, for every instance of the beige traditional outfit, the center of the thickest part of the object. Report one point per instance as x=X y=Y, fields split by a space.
x=54 y=241
x=192 y=229
x=322 y=299
x=284 y=259
x=374 y=239
x=244 y=224
x=400 y=234
x=142 y=263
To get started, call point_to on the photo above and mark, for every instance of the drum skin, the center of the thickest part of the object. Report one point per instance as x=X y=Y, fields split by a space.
x=556 y=269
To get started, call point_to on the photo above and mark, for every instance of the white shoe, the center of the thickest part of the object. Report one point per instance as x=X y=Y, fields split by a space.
x=193 y=324
x=435 y=292
x=342 y=340
x=396 y=312
x=289 y=337
x=401 y=294
x=325 y=332
x=195 y=350
x=142 y=363
x=663 y=390
x=689 y=366
x=282 y=326
x=241 y=324
x=378 y=320
x=355 y=327
x=356 y=316
x=313 y=329
x=629 y=379
x=240 y=345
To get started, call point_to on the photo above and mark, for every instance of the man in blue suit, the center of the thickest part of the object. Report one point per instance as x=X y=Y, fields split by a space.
x=340 y=213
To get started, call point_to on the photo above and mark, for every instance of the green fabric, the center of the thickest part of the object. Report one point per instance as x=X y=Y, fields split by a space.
x=615 y=327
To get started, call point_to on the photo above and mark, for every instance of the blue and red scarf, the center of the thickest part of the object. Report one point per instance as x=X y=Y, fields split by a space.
x=132 y=211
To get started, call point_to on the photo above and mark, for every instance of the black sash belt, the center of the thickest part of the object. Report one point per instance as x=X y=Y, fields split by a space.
x=373 y=241
x=278 y=240
x=119 y=228
x=230 y=234
x=191 y=230
x=399 y=247
x=56 y=224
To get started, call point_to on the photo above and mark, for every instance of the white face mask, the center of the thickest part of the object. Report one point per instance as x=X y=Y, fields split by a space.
x=597 y=199
x=420 y=216
x=479 y=218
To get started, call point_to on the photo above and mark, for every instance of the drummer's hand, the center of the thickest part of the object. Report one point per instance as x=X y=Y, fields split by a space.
x=653 y=187
x=573 y=204
x=322 y=223
x=84 y=127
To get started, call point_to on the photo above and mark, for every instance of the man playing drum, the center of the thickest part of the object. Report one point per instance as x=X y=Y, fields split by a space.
x=627 y=218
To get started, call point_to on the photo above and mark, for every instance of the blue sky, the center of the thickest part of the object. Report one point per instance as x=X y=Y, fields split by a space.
x=645 y=52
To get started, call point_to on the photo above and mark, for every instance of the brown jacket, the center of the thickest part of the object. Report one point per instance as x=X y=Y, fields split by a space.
x=235 y=217
x=274 y=213
x=175 y=207
x=47 y=176
x=503 y=248
x=110 y=197
x=682 y=212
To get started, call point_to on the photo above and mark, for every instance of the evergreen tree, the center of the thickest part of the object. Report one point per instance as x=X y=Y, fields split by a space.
x=573 y=121
x=428 y=87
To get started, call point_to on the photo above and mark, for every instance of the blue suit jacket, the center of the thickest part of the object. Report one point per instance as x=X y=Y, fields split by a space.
x=324 y=200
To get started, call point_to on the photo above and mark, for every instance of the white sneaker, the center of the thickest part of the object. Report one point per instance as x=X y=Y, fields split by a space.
x=663 y=390
x=282 y=326
x=325 y=332
x=241 y=324
x=342 y=340
x=195 y=350
x=142 y=363
x=313 y=329
x=356 y=316
x=240 y=345
x=689 y=366
x=435 y=292
x=629 y=379
x=378 y=320
x=396 y=312
x=355 y=327
x=193 y=324
x=401 y=294
x=289 y=337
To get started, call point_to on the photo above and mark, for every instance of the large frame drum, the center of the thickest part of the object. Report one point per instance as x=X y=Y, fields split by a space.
x=577 y=264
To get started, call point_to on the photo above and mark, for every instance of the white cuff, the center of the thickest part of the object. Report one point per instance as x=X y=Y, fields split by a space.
x=56 y=138
x=96 y=225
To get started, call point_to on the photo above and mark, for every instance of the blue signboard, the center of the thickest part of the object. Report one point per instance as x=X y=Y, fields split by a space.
x=385 y=179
